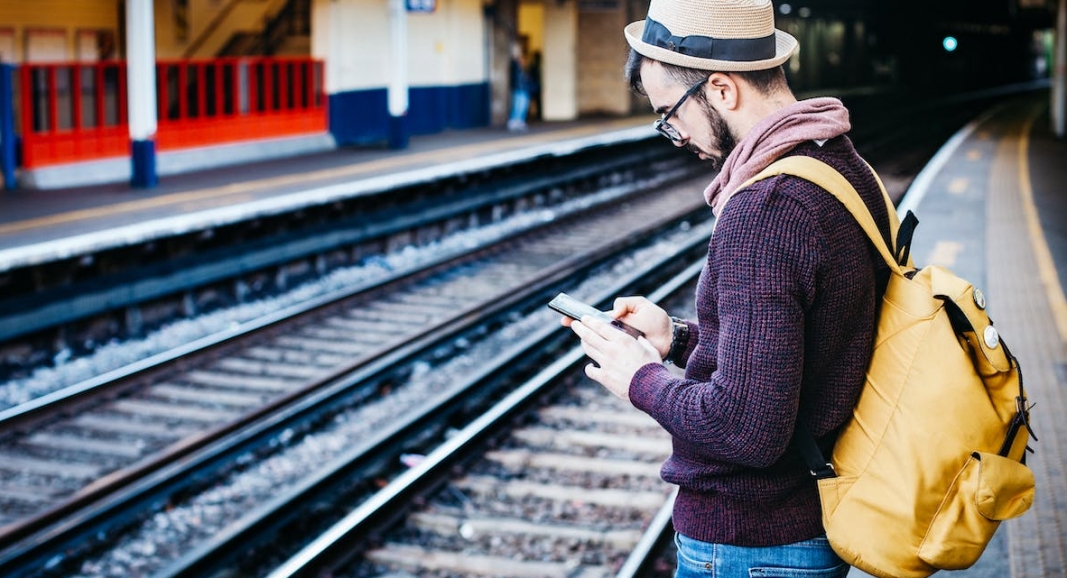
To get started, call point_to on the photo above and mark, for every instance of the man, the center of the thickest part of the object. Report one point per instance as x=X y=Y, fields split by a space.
x=520 y=89
x=785 y=307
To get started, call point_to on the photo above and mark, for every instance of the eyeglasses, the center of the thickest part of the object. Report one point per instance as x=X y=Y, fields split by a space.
x=665 y=127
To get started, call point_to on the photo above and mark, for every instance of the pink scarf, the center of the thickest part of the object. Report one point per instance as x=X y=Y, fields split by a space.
x=812 y=119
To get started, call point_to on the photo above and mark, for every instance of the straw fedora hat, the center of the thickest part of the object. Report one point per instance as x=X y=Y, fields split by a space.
x=718 y=35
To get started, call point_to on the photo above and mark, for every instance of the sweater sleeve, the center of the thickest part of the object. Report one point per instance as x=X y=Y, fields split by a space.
x=742 y=408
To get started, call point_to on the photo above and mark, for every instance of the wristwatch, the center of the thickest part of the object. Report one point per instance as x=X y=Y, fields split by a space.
x=679 y=341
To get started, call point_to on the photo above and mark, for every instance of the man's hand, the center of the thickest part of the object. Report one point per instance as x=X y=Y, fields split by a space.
x=651 y=319
x=618 y=355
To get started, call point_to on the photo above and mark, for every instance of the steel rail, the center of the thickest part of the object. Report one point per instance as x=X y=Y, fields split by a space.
x=379 y=216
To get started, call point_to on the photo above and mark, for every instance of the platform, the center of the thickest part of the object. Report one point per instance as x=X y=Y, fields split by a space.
x=41 y=225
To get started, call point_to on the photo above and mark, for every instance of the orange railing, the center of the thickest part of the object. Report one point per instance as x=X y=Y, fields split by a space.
x=204 y=102
x=72 y=112
x=76 y=112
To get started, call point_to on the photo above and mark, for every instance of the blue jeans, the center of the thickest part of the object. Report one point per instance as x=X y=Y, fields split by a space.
x=808 y=559
x=520 y=105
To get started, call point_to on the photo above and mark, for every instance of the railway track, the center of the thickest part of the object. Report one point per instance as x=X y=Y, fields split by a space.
x=61 y=460
x=560 y=478
x=68 y=308
x=568 y=493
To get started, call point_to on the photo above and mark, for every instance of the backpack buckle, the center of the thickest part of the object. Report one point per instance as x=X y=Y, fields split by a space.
x=823 y=472
x=1019 y=421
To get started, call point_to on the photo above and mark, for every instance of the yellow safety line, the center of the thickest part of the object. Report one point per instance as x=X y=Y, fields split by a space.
x=1045 y=264
x=418 y=159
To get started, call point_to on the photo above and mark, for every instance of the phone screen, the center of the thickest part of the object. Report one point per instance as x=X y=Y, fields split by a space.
x=575 y=309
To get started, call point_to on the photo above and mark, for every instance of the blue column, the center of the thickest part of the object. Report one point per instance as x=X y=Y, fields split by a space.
x=398 y=131
x=7 y=125
x=143 y=158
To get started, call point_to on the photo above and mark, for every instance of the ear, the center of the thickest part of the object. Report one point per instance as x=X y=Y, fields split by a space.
x=722 y=89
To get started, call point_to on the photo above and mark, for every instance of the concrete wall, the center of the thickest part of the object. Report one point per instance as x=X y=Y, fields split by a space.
x=447 y=66
x=602 y=49
x=50 y=30
x=560 y=76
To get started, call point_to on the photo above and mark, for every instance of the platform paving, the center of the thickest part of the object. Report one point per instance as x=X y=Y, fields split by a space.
x=995 y=212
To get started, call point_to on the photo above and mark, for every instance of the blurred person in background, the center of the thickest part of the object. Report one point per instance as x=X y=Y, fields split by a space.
x=520 y=89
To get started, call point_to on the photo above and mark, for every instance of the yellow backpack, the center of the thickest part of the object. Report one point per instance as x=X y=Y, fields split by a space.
x=932 y=459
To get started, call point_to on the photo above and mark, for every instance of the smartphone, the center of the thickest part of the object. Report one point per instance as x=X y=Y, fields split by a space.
x=575 y=309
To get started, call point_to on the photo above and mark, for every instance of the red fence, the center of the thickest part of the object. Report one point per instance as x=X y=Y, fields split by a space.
x=76 y=112
x=72 y=112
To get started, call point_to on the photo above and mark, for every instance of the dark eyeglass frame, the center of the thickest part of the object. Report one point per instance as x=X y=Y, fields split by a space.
x=663 y=127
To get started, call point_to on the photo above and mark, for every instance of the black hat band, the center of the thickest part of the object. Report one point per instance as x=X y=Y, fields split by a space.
x=729 y=49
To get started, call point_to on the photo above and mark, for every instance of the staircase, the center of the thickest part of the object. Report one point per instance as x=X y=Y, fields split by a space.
x=286 y=33
x=256 y=28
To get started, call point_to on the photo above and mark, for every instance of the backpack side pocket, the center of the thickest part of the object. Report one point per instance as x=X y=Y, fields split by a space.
x=989 y=489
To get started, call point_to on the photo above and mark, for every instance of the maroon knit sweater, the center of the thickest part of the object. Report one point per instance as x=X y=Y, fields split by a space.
x=786 y=314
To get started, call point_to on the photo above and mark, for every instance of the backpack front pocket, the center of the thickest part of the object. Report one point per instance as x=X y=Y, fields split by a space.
x=990 y=488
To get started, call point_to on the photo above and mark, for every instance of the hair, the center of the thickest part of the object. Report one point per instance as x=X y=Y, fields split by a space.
x=764 y=81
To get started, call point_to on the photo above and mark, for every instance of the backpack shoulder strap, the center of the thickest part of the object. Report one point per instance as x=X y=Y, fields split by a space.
x=825 y=176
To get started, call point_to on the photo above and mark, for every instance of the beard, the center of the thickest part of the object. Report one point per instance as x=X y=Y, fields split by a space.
x=723 y=139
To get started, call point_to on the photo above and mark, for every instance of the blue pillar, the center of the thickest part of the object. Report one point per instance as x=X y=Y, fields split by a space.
x=7 y=125
x=143 y=157
x=398 y=131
